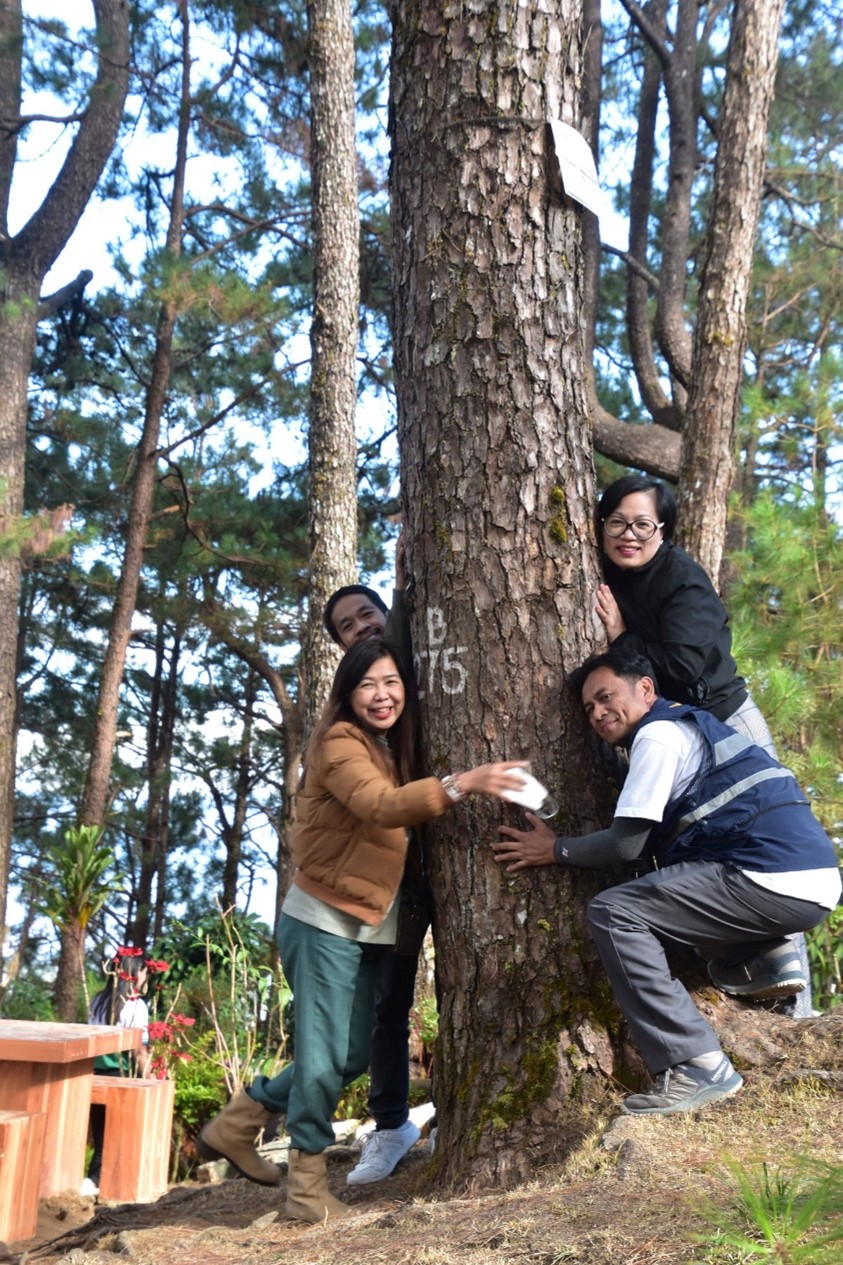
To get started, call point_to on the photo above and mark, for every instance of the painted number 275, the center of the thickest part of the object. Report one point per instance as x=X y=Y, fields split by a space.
x=439 y=667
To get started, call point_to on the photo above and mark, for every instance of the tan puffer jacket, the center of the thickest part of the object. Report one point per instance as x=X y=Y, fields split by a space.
x=349 y=840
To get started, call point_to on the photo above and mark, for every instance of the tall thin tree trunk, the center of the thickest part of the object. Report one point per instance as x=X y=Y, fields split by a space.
x=69 y=973
x=148 y=912
x=12 y=967
x=95 y=796
x=332 y=513
x=233 y=833
x=164 y=781
x=720 y=338
x=25 y=259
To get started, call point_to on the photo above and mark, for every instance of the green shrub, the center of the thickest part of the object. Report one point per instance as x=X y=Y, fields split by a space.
x=200 y=1093
x=28 y=998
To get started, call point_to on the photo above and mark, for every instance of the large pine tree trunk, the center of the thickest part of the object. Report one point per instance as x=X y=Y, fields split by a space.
x=498 y=487
x=17 y=342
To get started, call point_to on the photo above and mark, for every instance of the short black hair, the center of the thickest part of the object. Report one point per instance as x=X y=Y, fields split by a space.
x=627 y=664
x=348 y=590
x=626 y=486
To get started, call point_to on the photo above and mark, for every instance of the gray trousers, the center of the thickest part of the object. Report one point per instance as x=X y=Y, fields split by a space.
x=704 y=905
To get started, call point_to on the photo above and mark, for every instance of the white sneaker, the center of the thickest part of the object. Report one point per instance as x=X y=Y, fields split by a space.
x=89 y=1188
x=383 y=1150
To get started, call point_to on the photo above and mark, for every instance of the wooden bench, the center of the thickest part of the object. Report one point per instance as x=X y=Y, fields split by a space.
x=48 y=1068
x=21 y=1156
x=138 y=1128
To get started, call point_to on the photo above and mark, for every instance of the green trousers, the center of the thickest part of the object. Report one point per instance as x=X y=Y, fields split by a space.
x=333 y=982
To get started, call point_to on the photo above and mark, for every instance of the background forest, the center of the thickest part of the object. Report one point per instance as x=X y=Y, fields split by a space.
x=187 y=359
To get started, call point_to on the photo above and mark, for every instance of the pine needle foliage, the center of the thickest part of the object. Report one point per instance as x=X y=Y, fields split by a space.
x=785 y=602
x=778 y=1216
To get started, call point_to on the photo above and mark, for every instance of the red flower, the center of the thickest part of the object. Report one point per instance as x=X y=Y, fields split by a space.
x=183 y=1021
x=153 y=965
x=129 y=953
x=159 y=1031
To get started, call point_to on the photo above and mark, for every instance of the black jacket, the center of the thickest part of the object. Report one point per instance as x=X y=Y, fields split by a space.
x=674 y=617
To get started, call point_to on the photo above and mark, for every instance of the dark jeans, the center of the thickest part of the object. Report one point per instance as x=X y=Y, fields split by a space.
x=389 y=1067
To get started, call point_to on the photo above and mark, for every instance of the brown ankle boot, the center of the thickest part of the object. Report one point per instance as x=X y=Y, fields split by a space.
x=308 y=1198
x=231 y=1136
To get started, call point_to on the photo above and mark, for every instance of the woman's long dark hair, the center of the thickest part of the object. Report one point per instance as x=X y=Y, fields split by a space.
x=122 y=983
x=354 y=665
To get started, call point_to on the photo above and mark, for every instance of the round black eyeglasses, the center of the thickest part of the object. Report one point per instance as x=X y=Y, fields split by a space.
x=641 y=528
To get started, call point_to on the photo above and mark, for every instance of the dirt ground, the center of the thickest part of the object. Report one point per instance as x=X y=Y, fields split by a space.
x=633 y=1193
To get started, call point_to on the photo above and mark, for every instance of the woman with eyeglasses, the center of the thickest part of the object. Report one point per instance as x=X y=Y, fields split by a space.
x=658 y=602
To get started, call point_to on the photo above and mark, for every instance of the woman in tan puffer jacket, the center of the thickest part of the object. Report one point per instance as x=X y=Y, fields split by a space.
x=357 y=798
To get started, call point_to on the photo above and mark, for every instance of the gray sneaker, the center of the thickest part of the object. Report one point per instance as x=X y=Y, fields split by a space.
x=764 y=975
x=684 y=1088
x=382 y=1151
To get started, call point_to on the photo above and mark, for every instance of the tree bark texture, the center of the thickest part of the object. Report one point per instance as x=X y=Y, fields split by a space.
x=497 y=490
x=69 y=973
x=25 y=258
x=720 y=337
x=332 y=509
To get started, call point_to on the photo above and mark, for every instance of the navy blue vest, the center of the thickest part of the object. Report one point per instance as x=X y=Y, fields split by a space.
x=742 y=807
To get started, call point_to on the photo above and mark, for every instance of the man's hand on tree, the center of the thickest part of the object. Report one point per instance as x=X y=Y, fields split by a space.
x=524 y=848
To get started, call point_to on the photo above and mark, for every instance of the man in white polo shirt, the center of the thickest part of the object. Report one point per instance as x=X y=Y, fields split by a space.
x=742 y=863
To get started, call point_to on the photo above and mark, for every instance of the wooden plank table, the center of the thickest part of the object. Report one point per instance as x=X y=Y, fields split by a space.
x=49 y=1068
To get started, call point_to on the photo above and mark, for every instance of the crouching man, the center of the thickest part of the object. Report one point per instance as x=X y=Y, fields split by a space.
x=741 y=863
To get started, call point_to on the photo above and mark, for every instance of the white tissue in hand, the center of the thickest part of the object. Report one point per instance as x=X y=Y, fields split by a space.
x=532 y=795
